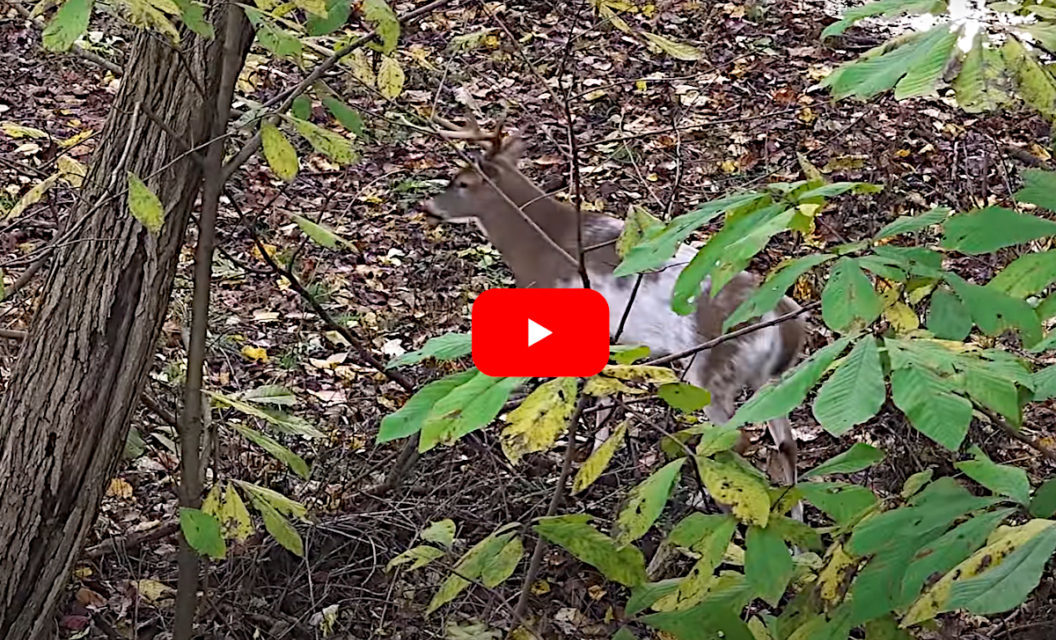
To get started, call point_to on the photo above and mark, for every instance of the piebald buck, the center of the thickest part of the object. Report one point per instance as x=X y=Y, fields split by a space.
x=537 y=237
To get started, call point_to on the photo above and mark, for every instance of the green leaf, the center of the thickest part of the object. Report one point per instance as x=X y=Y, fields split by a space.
x=853 y=14
x=1045 y=383
x=767 y=563
x=418 y=556
x=390 y=78
x=714 y=439
x=624 y=634
x=282 y=422
x=849 y=302
x=913 y=224
x=450 y=346
x=295 y=462
x=1039 y=187
x=994 y=312
x=467 y=408
x=993 y=390
x=1043 y=504
x=1000 y=478
x=301 y=107
x=706 y=621
x=202 y=532
x=776 y=399
x=68 y=24
x=278 y=526
x=914 y=57
x=1006 y=585
x=645 y=503
x=917 y=261
x=320 y=234
x=931 y=406
x=144 y=205
x=598 y=461
x=927 y=67
x=684 y=396
x=993 y=228
x=1026 y=275
x=842 y=502
x=386 y=24
x=540 y=419
x=316 y=7
x=329 y=143
x=482 y=557
x=916 y=482
x=660 y=245
x=503 y=564
x=193 y=15
x=859 y=456
x=795 y=532
x=677 y=50
x=770 y=292
x=982 y=84
x=408 y=420
x=645 y=595
x=441 y=532
x=348 y=117
x=948 y=317
x=1034 y=80
x=855 y=392
x=622 y=564
x=628 y=354
x=276 y=500
x=731 y=485
x=638 y=225
x=737 y=252
x=269 y=394
x=280 y=154
x=337 y=12
x=275 y=39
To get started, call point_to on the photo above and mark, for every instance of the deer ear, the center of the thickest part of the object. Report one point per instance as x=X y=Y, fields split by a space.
x=512 y=150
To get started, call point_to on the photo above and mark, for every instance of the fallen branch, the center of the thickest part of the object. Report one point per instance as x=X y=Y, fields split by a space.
x=1018 y=434
x=132 y=541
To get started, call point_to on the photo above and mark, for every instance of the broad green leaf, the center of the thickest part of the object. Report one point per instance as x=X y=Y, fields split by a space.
x=295 y=462
x=68 y=24
x=673 y=48
x=1026 y=275
x=301 y=107
x=884 y=67
x=684 y=396
x=316 y=7
x=1034 y=80
x=193 y=15
x=1003 y=585
x=202 y=532
x=272 y=37
x=927 y=67
x=628 y=354
x=659 y=246
x=770 y=292
x=767 y=563
x=704 y=533
x=736 y=253
x=280 y=154
x=853 y=14
x=1045 y=383
x=540 y=419
x=1043 y=504
x=321 y=234
x=337 y=12
x=418 y=556
x=917 y=261
x=407 y=421
x=1039 y=187
x=622 y=564
x=840 y=501
x=948 y=318
x=714 y=439
x=348 y=117
x=441 y=532
x=776 y=399
x=1047 y=308
x=982 y=85
x=916 y=482
x=708 y=620
x=278 y=526
x=711 y=544
x=644 y=595
x=645 y=503
x=623 y=633
x=270 y=394
x=638 y=225
x=282 y=422
x=855 y=392
x=449 y=346
x=795 y=532
x=729 y=484
x=1000 y=478
x=992 y=389
x=598 y=461
x=467 y=408
x=848 y=301
x=995 y=312
x=913 y=224
x=144 y=205
x=931 y=406
x=993 y=228
x=386 y=24
x=447 y=591
x=502 y=565
x=329 y=143
x=279 y=502
x=390 y=78
x=859 y=456
x=473 y=564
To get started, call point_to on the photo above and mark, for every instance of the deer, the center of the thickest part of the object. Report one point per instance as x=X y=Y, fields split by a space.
x=540 y=239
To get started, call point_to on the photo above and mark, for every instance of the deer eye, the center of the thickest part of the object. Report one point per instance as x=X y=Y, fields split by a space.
x=462 y=184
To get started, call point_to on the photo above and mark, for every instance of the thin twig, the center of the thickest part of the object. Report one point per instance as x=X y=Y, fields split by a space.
x=1030 y=441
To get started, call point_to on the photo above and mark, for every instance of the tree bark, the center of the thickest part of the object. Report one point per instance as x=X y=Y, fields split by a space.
x=65 y=412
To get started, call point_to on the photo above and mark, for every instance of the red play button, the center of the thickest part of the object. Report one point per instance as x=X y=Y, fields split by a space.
x=540 y=332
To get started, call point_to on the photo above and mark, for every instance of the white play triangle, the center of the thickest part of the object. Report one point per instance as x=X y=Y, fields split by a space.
x=536 y=332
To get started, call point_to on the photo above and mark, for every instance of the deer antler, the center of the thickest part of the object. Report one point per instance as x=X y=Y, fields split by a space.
x=490 y=140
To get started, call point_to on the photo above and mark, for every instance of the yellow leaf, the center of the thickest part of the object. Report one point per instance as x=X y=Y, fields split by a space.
x=597 y=462
x=152 y=590
x=609 y=381
x=831 y=580
x=1000 y=545
x=72 y=171
x=543 y=416
x=730 y=485
x=144 y=205
x=641 y=85
x=76 y=139
x=329 y=143
x=901 y=317
x=234 y=517
x=280 y=154
x=608 y=14
x=677 y=50
x=758 y=629
x=32 y=196
x=259 y=354
x=119 y=489
x=318 y=7
x=359 y=64
x=540 y=587
x=15 y=130
x=390 y=78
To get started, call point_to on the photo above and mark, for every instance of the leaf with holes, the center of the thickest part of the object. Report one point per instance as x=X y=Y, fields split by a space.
x=855 y=392
x=931 y=405
x=645 y=503
x=993 y=228
x=599 y=460
x=540 y=419
x=848 y=301
x=731 y=485
x=622 y=564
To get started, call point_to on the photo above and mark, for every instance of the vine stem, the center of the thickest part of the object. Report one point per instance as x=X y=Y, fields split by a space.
x=555 y=502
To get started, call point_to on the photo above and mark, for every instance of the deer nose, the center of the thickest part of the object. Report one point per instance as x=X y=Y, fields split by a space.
x=432 y=213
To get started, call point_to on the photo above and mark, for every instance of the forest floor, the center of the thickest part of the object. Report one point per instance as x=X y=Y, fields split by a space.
x=741 y=116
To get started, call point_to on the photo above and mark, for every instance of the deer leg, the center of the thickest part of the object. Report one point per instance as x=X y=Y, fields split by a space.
x=782 y=467
x=602 y=430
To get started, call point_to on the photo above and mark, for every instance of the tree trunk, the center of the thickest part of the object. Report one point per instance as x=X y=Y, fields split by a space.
x=65 y=412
